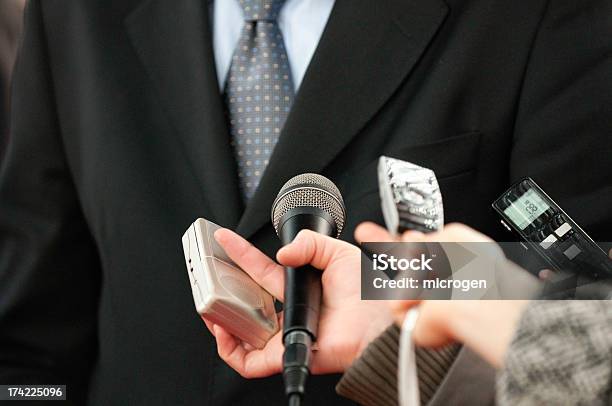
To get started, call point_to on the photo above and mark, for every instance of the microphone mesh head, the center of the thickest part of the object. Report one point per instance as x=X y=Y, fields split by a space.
x=309 y=190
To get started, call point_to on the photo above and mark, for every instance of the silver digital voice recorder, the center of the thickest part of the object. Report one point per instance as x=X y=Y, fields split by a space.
x=410 y=196
x=222 y=292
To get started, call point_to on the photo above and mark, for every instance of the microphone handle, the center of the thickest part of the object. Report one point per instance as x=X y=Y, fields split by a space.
x=303 y=298
x=303 y=284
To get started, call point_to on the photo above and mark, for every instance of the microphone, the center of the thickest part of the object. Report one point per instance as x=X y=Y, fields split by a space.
x=305 y=202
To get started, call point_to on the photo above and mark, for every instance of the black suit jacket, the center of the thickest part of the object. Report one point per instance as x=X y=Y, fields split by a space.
x=11 y=16
x=120 y=142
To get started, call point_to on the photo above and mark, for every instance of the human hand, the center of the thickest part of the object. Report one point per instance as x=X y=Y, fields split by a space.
x=346 y=325
x=486 y=327
x=547 y=274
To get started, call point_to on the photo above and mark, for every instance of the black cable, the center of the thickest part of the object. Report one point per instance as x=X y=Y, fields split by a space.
x=295 y=399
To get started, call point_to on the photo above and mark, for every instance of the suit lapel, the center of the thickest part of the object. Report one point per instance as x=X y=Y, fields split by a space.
x=366 y=51
x=173 y=41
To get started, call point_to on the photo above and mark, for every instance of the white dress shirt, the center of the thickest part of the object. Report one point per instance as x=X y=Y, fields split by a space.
x=300 y=21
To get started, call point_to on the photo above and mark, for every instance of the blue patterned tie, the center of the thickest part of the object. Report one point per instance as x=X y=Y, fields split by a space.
x=258 y=91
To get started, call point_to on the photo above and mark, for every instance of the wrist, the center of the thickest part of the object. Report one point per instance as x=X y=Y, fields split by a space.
x=462 y=319
x=486 y=327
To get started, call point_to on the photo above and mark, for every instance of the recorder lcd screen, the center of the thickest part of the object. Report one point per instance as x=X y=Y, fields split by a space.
x=524 y=210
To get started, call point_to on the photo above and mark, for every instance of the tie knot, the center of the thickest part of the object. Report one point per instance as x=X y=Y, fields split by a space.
x=261 y=10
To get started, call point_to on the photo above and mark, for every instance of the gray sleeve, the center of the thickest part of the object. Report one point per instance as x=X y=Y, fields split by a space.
x=372 y=379
x=560 y=354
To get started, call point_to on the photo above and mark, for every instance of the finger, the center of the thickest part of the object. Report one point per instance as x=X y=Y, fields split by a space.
x=315 y=249
x=267 y=273
x=545 y=274
x=229 y=349
x=209 y=325
x=431 y=328
x=249 y=363
x=266 y=362
x=457 y=232
x=400 y=307
x=369 y=232
x=412 y=236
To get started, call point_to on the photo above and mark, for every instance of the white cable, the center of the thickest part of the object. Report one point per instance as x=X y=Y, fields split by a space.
x=407 y=381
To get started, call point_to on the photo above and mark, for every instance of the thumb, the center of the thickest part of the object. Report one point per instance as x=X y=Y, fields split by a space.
x=432 y=329
x=315 y=249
